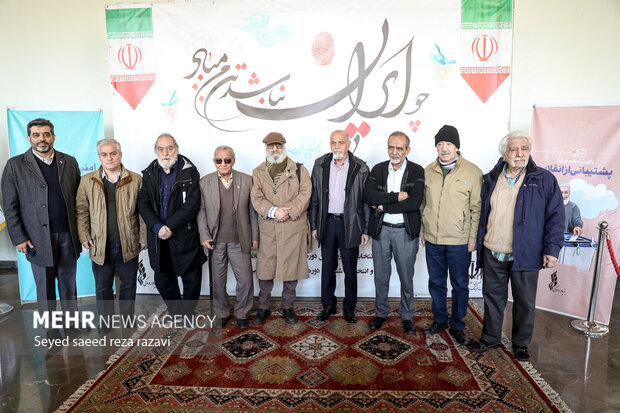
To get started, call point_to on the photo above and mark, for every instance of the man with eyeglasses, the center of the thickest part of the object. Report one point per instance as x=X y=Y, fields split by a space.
x=520 y=232
x=169 y=201
x=280 y=195
x=229 y=228
x=394 y=191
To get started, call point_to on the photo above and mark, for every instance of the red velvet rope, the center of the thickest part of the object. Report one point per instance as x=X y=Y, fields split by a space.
x=613 y=257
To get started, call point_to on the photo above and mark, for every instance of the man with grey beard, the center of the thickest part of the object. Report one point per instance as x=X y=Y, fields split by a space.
x=169 y=201
x=394 y=191
x=339 y=220
x=280 y=195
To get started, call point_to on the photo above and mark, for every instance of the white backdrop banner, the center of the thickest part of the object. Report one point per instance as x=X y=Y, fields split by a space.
x=213 y=73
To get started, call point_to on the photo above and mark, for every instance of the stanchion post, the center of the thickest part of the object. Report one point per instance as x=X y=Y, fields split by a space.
x=589 y=327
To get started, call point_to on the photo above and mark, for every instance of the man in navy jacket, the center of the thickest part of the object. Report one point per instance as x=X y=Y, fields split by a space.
x=520 y=232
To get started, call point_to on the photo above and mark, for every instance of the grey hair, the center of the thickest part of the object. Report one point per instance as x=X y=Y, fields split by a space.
x=399 y=133
x=224 y=148
x=517 y=134
x=108 y=141
x=166 y=135
x=566 y=184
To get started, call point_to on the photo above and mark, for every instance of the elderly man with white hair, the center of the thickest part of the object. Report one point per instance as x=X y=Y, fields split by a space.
x=520 y=232
x=572 y=221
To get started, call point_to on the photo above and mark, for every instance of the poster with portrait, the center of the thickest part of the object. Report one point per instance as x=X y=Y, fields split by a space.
x=580 y=145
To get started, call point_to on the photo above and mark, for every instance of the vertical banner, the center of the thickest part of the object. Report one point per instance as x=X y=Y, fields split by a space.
x=228 y=73
x=76 y=134
x=581 y=147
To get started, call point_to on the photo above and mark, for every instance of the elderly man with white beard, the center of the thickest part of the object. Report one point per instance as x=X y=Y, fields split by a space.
x=339 y=220
x=280 y=195
x=169 y=201
x=520 y=232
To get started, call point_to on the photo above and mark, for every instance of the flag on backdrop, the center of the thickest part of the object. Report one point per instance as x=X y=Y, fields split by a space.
x=130 y=43
x=486 y=44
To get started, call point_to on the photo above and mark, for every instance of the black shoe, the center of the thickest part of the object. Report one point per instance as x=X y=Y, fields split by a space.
x=289 y=316
x=103 y=329
x=261 y=316
x=435 y=328
x=350 y=318
x=480 y=346
x=521 y=353
x=460 y=337
x=242 y=323
x=324 y=316
x=409 y=326
x=221 y=322
x=376 y=323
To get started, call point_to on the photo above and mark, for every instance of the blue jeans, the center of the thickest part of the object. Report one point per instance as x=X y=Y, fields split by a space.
x=104 y=278
x=456 y=259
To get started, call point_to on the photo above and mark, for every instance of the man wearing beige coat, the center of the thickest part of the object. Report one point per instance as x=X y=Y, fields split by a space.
x=110 y=227
x=450 y=216
x=280 y=194
x=229 y=228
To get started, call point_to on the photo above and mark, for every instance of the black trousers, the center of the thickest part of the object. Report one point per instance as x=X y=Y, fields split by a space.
x=495 y=292
x=168 y=286
x=333 y=240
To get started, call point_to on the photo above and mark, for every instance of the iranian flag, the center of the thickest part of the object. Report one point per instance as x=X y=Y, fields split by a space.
x=131 y=52
x=486 y=44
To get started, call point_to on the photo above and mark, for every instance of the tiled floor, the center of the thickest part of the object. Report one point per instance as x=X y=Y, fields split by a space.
x=585 y=372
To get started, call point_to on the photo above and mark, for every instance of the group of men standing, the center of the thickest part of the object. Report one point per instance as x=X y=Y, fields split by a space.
x=447 y=207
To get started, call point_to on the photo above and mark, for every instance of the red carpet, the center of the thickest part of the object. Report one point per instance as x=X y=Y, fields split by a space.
x=315 y=366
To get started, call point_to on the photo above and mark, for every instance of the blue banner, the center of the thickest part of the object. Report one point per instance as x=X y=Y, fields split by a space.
x=76 y=134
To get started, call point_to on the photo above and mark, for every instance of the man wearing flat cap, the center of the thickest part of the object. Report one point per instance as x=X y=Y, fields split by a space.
x=450 y=215
x=280 y=195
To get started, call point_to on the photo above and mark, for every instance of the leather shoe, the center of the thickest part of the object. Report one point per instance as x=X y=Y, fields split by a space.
x=350 y=318
x=289 y=316
x=324 y=316
x=435 y=328
x=376 y=323
x=409 y=326
x=261 y=316
x=221 y=322
x=460 y=337
x=480 y=346
x=242 y=323
x=521 y=353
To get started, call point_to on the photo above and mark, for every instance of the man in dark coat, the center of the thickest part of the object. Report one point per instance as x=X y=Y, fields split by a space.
x=520 y=232
x=339 y=220
x=169 y=201
x=39 y=188
x=394 y=189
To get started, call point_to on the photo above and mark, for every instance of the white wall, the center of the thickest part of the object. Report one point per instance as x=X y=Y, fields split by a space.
x=53 y=55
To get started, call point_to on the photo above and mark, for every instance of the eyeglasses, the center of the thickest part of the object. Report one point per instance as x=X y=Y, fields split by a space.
x=275 y=145
x=218 y=161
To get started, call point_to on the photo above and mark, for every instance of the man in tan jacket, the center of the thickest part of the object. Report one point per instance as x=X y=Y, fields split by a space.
x=110 y=227
x=280 y=194
x=450 y=216
x=229 y=228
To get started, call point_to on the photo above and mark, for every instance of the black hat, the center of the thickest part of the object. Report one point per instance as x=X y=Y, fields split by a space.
x=448 y=133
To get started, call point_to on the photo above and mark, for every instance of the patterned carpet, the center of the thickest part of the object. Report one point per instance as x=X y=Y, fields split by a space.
x=316 y=366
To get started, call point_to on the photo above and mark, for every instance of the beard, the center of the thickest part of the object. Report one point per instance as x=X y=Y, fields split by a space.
x=276 y=158
x=167 y=162
x=43 y=147
x=519 y=158
x=396 y=159
x=338 y=155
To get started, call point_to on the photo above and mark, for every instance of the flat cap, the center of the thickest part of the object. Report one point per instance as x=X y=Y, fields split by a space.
x=274 y=137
